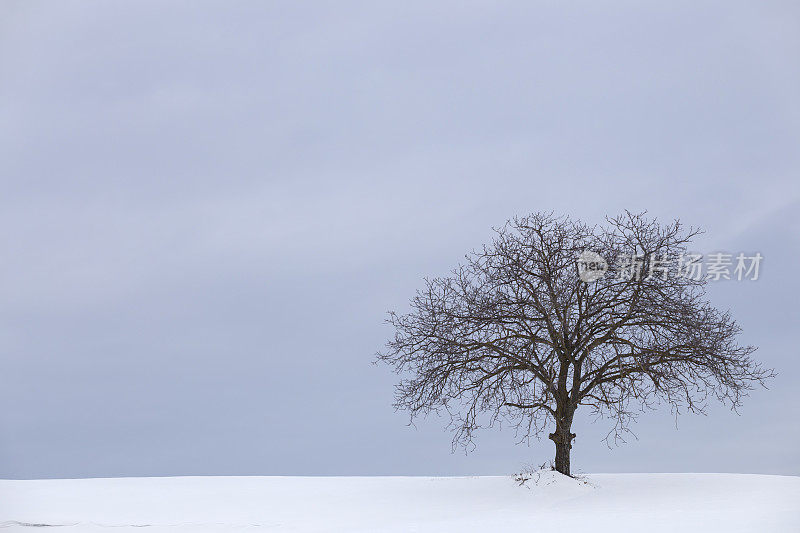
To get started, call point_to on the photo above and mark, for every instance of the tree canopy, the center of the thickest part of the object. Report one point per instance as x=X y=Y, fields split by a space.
x=522 y=332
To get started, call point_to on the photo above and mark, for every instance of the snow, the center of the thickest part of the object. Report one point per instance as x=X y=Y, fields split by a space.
x=599 y=503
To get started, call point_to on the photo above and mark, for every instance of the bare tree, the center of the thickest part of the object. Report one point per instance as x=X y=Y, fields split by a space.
x=515 y=334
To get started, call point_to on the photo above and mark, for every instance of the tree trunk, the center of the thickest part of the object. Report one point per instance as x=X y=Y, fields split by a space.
x=563 y=442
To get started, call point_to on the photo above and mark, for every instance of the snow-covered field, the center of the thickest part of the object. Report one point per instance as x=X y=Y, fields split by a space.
x=649 y=503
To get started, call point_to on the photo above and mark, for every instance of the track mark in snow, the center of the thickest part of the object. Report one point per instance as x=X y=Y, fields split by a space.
x=12 y=523
x=17 y=523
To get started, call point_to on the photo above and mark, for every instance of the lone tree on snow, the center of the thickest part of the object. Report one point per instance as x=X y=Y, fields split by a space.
x=516 y=334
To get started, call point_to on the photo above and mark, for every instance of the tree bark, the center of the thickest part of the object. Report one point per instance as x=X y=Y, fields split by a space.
x=563 y=442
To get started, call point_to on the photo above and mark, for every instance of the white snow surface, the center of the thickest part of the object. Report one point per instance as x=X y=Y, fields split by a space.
x=649 y=503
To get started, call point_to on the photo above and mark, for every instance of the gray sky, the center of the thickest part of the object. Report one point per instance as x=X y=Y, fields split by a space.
x=208 y=208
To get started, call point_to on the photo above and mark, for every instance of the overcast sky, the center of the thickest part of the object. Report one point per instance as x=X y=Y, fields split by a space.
x=207 y=209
